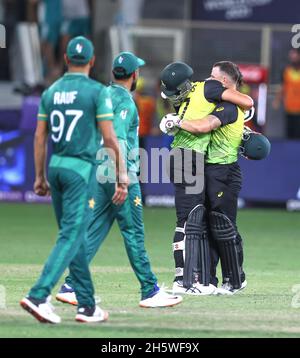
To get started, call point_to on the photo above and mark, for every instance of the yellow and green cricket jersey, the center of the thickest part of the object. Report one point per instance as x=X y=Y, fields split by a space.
x=200 y=102
x=224 y=142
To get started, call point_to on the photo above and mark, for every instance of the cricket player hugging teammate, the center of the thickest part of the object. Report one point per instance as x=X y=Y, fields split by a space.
x=208 y=126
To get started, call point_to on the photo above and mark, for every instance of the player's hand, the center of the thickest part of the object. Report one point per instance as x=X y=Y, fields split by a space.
x=169 y=124
x=121 y=191
x=41 y=187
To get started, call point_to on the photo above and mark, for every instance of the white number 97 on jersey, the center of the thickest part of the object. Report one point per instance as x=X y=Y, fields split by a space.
x=58 y=123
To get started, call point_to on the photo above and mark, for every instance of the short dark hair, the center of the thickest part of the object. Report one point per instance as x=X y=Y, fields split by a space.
x=120 y=73
x=232 y=70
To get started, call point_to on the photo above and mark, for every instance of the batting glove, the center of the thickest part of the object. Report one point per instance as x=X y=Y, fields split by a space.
x=170 y=124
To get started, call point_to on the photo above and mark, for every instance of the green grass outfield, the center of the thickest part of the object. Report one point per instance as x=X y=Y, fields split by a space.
x=264 y=309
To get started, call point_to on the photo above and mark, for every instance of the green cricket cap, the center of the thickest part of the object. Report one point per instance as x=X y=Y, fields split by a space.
x=80 y=50
x=126 y=63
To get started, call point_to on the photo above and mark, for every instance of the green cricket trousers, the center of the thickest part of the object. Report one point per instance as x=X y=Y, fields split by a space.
x=130 y=220
x=70 y=181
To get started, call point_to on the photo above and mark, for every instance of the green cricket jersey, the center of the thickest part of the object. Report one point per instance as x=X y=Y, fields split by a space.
x=72 y=106
x=126 y=124
x=225 y=141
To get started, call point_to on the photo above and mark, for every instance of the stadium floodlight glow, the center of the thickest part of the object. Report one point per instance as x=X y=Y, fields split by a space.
x=262 y=104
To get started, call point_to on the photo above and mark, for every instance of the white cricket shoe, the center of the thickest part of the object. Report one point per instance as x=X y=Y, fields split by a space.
x=178 y=288
x=227 y=289
x=88 y=315
x=42 y=311
x=160 y=299
x=66 y=294
x=201 y=290
x=196 y=290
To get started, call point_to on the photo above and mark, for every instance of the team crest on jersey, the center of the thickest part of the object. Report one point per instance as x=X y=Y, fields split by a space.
x=79 y=48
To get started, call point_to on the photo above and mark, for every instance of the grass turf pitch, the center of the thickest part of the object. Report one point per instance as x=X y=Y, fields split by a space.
x=263 y=309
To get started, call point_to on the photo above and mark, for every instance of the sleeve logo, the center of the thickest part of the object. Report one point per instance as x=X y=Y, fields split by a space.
x=123 y=114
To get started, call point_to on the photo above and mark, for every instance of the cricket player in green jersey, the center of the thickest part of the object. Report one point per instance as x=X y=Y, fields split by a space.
x=130 y=215
x=76 y=112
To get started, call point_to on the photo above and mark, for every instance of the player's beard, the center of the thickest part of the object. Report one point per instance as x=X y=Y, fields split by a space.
x=133 y=86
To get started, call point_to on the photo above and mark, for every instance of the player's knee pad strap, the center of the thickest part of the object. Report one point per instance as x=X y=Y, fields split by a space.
x=178 y=250
x=180 y=229
x=196 y=266
x=179 y=237
x=225 y=235
x=179 y=245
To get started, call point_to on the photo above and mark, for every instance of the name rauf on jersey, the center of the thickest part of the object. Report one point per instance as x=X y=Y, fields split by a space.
x=64 y=97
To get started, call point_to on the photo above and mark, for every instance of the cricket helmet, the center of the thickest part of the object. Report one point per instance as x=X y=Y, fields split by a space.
x=176 y=82
x=254 y=145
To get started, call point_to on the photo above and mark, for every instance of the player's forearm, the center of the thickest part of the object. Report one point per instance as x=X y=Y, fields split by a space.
x=242 y=100
x=195 y=127
x=40 y=155
x=199 y=126
x=113 y=145
x=111 y=142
